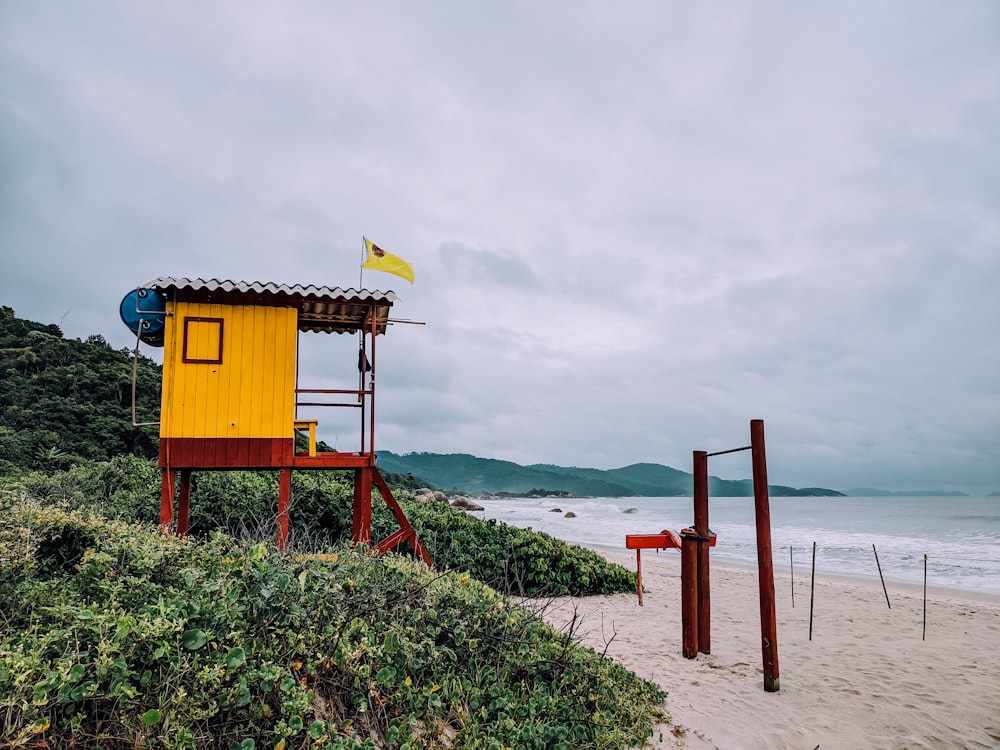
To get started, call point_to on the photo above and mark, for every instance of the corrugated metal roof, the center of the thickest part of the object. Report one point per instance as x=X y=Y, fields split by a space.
x=321 y=308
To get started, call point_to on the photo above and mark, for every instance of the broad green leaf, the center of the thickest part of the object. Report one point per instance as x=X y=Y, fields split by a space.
x=235 y=658
x=151 y=717
x=194 y=639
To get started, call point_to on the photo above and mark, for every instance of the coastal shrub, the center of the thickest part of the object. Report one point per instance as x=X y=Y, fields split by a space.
x=516 y=561
x=114 y=637
x=243 y=504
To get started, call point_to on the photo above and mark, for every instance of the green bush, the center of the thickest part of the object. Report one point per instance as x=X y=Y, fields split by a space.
x=244 y=504
x=517 y=561
x=114 y=637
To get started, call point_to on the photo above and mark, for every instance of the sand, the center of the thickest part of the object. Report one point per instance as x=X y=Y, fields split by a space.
x=865 y=680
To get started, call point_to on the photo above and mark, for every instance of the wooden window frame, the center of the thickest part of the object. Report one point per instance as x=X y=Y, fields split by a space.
x=191 y=360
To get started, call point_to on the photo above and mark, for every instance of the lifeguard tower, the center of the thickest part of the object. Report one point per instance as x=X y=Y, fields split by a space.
x=231 y=397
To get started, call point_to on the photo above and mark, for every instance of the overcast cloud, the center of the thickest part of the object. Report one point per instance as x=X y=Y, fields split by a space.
x=634 y=226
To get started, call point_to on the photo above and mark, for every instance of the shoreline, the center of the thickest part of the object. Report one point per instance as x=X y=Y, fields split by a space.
x=866 y=678
x=959 y=540
x=780 y=571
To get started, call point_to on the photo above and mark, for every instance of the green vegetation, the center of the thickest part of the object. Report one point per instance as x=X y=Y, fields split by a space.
x=113 y=637
x=243 y=504
x=516 y=561
x=63 y=401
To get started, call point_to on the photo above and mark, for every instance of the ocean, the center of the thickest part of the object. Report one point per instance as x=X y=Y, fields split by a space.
x=959 y=535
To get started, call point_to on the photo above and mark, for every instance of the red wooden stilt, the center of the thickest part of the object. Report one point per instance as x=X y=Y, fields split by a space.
x=768 y=620
x=284 y=502
x=167 y=502
x=184 y=504
x=361 y=532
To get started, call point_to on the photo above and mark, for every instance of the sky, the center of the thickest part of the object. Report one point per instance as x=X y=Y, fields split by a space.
x=634 y=226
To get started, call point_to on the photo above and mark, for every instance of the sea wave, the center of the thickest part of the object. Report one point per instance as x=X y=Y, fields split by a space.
x=962 y=549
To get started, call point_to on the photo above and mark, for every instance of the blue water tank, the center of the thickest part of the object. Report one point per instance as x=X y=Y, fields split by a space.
x=144 y=312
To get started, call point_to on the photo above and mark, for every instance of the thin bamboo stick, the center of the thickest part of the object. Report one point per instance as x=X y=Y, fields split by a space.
x=812 y=593
x=923 y=637
x=884 y=590
x=791 y=563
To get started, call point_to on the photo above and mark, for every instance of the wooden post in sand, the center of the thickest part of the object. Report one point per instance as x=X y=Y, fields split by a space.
x=689 y=593
x=700 y=475
x=768 y=620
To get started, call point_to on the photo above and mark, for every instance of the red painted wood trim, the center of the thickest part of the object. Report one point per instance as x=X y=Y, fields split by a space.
x=226 y=453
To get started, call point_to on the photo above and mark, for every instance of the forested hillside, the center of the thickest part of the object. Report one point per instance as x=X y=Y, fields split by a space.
x=471 y=474
x=66 y=400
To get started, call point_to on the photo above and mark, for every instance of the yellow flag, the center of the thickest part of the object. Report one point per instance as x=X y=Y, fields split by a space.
x=379 y=260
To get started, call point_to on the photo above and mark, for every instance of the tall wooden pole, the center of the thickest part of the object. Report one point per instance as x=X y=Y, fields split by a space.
x=768 y=620
x=700 y=474
x=689 y=593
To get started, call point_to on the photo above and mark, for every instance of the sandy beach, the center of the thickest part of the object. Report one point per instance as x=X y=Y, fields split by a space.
x=865 y=680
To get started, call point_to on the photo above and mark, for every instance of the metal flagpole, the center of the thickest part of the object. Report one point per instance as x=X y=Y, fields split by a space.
x=361 y=274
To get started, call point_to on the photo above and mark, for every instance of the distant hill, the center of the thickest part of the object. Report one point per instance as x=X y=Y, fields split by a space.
x=471 y=474
x=873 y=492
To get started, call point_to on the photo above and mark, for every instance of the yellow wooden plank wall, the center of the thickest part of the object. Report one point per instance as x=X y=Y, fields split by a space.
x=251 y=393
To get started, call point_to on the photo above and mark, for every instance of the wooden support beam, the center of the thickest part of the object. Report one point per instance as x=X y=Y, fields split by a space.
x=406 y=531
x=689 y=593
x=765 y=574
x=167 y=502
x=700 y=478
x=361 y=528
x=184 y=504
